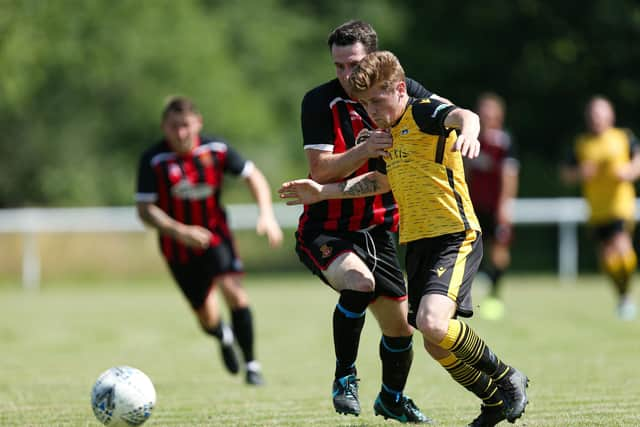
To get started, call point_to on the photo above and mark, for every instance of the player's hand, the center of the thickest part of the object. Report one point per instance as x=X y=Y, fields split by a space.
x=301 y=192
x=375 y=142
x=588 y=170
x=625 y=173
x=468 y=145
x=194 y=236
x=268 y=225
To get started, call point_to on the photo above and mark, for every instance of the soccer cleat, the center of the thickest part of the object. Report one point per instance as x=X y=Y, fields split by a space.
x=255 y=378
x=404 y=411
x=489 y=416
x=627 y=310
x=345 y=395
x=514 y=392
x=230 y=358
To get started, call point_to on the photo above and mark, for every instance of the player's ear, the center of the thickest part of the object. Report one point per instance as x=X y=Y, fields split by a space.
x=401 y=87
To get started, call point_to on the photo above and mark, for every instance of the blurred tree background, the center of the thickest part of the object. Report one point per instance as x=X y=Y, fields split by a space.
x=82 y=83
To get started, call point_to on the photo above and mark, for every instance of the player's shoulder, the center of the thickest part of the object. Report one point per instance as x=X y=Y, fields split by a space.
x=320 y=97
x=154 y=149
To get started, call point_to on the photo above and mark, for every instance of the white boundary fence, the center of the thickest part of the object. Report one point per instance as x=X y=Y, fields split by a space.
x=566 y=213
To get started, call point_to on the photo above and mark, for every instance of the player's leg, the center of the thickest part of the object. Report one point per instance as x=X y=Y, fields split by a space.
x=390 y=310
x=237 y=301
x=477 y=382
x=396 y=355
x=618 y=259
x=350 y=276
x=196 y=282
x=441 y=280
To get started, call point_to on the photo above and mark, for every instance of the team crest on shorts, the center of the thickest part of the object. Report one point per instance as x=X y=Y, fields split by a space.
x=326 y=251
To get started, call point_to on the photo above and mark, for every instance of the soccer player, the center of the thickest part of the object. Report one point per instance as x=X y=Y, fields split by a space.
x=493 y=185
x=348 y=243
x=424 y=168
x=606 y=160
x=178 y=193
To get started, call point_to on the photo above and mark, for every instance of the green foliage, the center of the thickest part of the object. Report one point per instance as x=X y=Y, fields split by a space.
x=83 y=82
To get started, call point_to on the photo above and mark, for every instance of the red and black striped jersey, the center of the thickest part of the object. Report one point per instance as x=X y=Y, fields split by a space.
x=330 y=122
x=188 y=187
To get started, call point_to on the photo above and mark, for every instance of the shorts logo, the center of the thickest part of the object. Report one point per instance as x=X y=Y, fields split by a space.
x=326 y=251
x=440 y=271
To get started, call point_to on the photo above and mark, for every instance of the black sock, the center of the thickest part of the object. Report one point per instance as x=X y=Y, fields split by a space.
x=243 y=329
x=396 y=354
x=495 y=274
x=348 y=321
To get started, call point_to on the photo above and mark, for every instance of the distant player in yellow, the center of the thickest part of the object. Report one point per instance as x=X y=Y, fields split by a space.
x=423 y=167
x=606 y=160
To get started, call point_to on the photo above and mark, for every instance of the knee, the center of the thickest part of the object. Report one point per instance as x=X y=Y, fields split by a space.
x=360 y=281
x=433 y=327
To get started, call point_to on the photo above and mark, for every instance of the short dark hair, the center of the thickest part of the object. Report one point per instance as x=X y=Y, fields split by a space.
x=352 y=32
x=179 y=104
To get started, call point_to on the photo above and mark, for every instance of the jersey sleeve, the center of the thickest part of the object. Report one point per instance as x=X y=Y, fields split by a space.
x=429 y=115
x=416 y=90
x=316 y=121
x=237 y=165
x=146 y=190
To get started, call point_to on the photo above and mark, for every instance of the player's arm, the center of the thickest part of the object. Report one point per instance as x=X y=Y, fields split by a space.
x=509 y=190
x=308 y=191
x=193 y=236
x=631 y=171
x=328 y=167
x=267 y=223
x=468 y=124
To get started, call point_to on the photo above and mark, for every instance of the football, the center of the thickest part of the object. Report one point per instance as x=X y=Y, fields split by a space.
x=123 y=396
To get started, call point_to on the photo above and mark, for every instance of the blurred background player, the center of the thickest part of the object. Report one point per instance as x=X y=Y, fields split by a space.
x=606 y=160
x=493 y=185
x=180 y=179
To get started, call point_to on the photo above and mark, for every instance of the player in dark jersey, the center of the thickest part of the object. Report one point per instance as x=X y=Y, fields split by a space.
x=180 y=180
x=424 y=168
x=493 y=184
x=348 y=243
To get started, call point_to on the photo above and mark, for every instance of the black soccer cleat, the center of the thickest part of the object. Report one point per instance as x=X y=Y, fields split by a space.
x=345 y=395
x=230 y=358
x=489 y=416
x=254 y=377
x=514 y=392
x=404 y=411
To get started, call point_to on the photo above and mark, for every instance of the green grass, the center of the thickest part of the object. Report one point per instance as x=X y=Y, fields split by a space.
x=582 y=361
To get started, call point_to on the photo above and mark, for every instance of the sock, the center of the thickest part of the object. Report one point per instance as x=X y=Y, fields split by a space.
x=472 y=379
x=614 y=267
x=243 y=329
x=222 y=332
x=629 y=264
x=467 y=346
x=348 y=321
x=495 y=274
x=396 y=354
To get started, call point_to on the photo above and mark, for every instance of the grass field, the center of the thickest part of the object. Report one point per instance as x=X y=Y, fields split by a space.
x=582 y=361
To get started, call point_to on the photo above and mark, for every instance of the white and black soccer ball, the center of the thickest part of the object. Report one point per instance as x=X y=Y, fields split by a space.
x=123 y=396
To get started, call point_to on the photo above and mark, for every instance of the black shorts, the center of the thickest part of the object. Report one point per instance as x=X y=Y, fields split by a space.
x=605 y=231
x=444 y=265
x=376 y=248
x=196 y=276
x=492 y=231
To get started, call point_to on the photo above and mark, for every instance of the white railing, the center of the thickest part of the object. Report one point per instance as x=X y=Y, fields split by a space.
x=566 y=213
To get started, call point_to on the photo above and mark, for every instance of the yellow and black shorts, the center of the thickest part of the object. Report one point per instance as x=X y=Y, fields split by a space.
x=444 y=265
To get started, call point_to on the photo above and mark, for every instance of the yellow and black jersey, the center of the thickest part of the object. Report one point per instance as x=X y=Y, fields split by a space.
x=609 y=198
x=426 y=177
